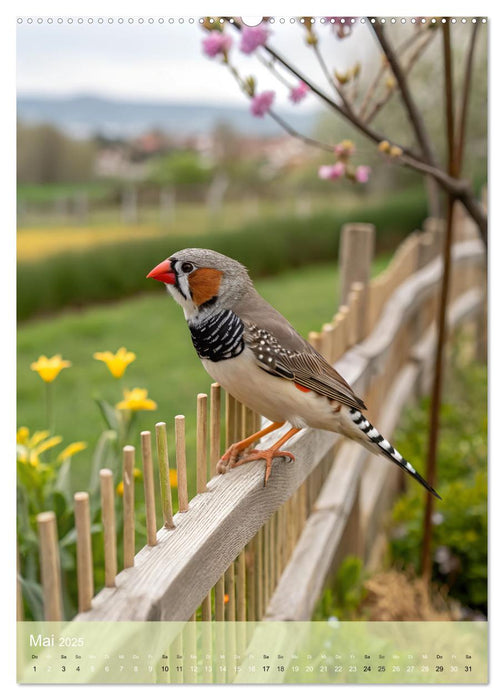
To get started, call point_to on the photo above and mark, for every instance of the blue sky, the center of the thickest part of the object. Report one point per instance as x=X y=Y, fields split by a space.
x=160 y=61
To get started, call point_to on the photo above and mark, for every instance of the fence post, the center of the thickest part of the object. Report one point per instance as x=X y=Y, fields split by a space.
x=109 y=525
x=356 y=252
x=84 y=554
x=128 y=506
x=50 y=566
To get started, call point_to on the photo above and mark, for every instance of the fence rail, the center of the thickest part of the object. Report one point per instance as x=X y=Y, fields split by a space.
x=237 y=550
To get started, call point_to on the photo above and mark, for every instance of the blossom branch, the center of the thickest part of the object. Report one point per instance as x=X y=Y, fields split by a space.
x=460 y=189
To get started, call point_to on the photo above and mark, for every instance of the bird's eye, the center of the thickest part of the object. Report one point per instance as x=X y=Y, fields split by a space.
x=187 y=267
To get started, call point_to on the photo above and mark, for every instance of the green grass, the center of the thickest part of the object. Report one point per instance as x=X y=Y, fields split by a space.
x=153 y=327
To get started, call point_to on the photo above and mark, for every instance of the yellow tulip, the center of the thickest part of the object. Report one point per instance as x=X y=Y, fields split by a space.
x=71 y=449
x=22 y=435
x=29 y=449
x=116 y=363
x=136 y=400
x=173 y=478
x=49 y=367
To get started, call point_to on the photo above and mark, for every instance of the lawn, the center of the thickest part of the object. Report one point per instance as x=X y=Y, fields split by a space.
x=154 y=328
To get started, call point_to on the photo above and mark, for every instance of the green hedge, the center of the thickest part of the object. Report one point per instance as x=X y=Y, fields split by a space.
x=266 y=247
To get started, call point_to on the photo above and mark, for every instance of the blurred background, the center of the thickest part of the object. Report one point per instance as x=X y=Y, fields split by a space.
x=132 y=144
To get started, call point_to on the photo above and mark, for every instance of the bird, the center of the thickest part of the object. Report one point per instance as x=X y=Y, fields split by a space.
x=256 y=355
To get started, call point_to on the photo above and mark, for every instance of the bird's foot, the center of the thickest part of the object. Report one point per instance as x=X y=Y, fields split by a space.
x=230 y=457
x=268 y=455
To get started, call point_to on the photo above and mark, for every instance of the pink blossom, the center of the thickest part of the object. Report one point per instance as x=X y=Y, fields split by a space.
x=345 y=148
x=362 y=173
x=261 y=103
x=216 y=43
x=299 y=93
x=331 y=172
x=252 y=37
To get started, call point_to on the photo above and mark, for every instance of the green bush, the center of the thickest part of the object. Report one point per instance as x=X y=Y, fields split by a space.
x=265 y=246
x=460 y=521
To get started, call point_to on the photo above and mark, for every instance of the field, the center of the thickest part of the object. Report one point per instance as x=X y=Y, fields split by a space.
x=154 y=328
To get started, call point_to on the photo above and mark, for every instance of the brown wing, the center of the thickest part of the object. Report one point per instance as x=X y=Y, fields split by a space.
x=281 y=351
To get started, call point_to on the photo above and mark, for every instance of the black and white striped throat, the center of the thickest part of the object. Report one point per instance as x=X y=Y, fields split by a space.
x=218 y=337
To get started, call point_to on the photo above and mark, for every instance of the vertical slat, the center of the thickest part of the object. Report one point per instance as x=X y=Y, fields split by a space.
x=206 y=607
x=259 y=575
x=84 y=554
x=230 y=615
x=327 y=342
x=164 y=474
x=230 y=607
x=219 y=599
x=180 y=451
x=148 y=475
x=206 y=637
x=215 y=427
x=355 y=258
x=272 y=550
x=128 y=506
x=109 y=526
x=201 y=443
x=315 y=339
x=241 y=600
x=250 y=560
x=343 y=311
x=50 y=566
x=266 y=563
x=230 y=419
x=220 y=641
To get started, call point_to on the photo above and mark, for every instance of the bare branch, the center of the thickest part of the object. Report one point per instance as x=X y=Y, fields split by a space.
x=465 y=100
x=402 y=48
x=407 y=68
x=306 y=139
x=414 y=114
x=339 y=91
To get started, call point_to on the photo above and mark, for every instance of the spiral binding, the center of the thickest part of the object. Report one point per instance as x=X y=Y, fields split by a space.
x=271 y=20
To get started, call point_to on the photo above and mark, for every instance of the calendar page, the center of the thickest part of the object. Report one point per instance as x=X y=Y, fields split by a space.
x=252 y=350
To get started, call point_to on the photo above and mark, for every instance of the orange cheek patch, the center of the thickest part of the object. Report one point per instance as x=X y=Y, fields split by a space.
x=205 y=284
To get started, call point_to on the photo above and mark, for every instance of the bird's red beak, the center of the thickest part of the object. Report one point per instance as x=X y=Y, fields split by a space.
x=163 y=272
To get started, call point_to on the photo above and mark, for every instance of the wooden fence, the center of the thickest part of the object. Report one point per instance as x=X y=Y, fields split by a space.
x=239 y=551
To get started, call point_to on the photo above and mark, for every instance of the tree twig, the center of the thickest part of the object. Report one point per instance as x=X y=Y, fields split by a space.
x=407 y=68
x=465 y=100
x=332 y=82
x=412 y=110
x=296 y=134
x=374 y=84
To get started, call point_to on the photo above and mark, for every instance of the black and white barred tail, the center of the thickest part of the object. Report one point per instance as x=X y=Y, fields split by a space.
x=378 y=444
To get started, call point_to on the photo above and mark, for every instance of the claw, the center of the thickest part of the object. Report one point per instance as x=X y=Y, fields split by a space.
x=268 y=456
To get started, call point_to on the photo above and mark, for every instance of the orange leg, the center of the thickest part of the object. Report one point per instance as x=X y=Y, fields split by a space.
x=228 y=459
x=270 y=453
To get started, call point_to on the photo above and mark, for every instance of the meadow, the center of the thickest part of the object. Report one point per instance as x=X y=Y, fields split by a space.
x=75 y=267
